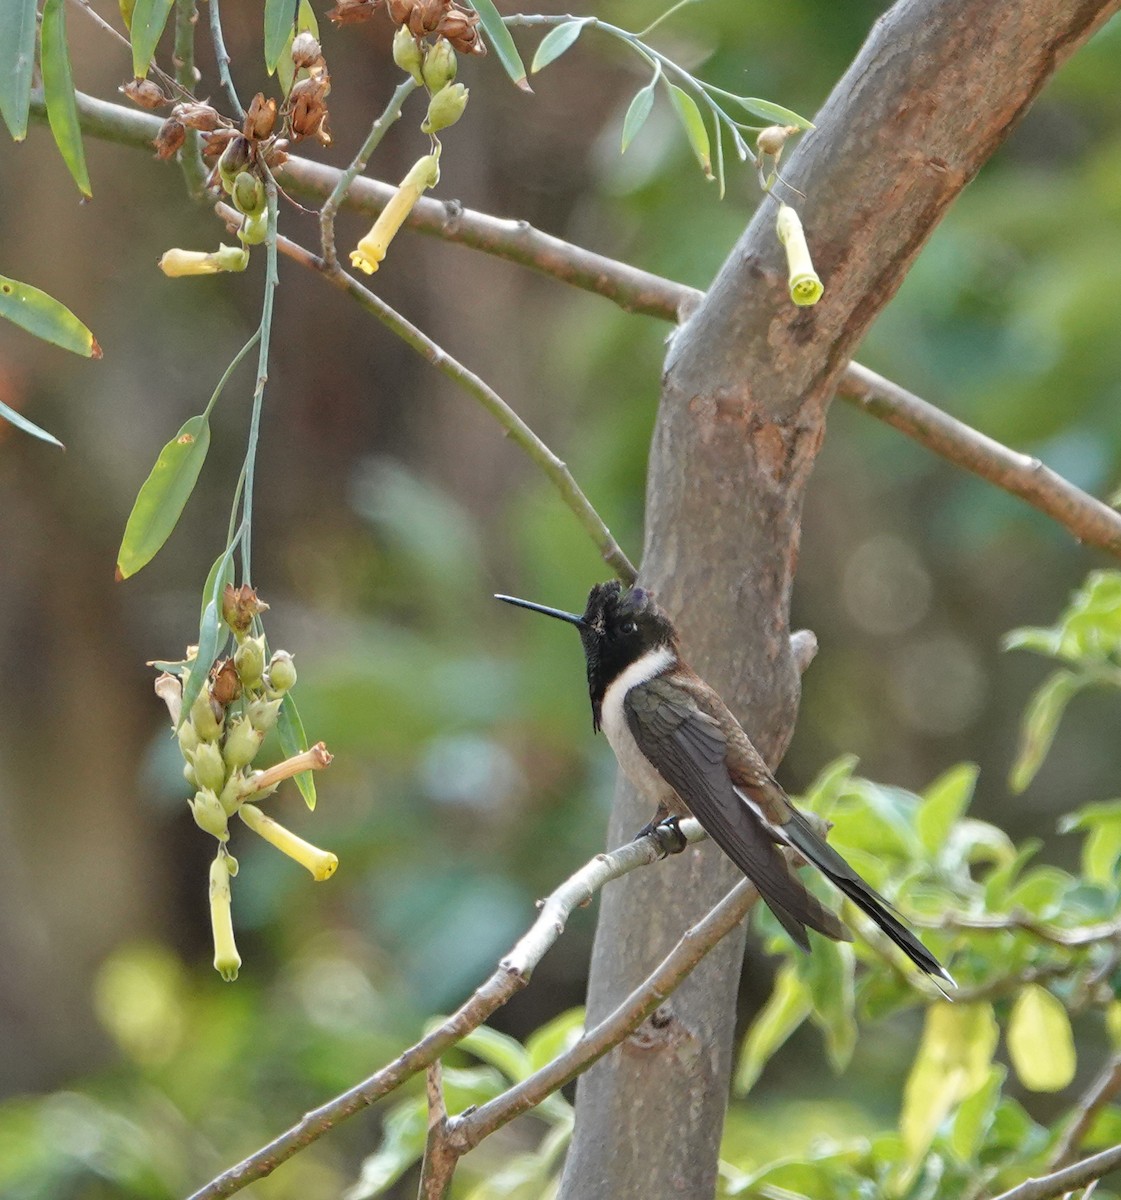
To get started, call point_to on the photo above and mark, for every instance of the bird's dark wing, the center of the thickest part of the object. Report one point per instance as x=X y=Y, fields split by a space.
x=687 y=748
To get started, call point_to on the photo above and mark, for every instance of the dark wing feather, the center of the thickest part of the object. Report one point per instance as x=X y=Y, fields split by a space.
x=688 y=749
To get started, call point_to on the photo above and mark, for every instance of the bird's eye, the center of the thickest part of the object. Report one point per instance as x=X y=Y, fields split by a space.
x=630 y=627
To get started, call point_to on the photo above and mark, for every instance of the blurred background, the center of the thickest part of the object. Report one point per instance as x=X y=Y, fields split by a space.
x=466 y=781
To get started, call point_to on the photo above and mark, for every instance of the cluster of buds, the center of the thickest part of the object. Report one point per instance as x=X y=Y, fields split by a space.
x=219 y=737
x=422 y=18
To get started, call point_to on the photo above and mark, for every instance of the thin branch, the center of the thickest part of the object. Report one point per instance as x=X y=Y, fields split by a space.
x=1100 y=1093
x=1081 y=1174
x=440 y=1156
x=1020 y=922
x=468 y=1130
x=513 y=973
x=190 y=153
x=634 y=290
x=377 y=131
x=222 y=56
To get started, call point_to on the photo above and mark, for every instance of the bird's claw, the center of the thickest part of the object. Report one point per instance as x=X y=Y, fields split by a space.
x=667 y=835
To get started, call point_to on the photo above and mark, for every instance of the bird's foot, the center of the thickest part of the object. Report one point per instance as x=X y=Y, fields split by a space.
x=666 y=833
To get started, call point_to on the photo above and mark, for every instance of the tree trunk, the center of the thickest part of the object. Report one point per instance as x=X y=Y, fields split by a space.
x=935 y=90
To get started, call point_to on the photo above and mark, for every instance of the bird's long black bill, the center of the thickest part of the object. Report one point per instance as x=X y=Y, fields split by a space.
x=560 y=614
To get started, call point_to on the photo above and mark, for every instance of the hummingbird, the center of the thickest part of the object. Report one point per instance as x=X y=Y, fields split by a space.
x=681 y=747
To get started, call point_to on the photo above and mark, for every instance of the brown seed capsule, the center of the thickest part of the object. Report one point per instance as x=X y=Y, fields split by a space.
x=197 y=116
x=260 y=118
x=145 y=93
x=214 y=144
x=171 y=136
x=307 y=108
x=227 y=684
x=458 y=26
x=350 y=12
x=239 y=607
x=772 y=139
x=306 y=51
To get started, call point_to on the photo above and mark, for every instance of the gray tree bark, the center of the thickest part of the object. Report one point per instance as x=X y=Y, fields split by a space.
x=935 y=90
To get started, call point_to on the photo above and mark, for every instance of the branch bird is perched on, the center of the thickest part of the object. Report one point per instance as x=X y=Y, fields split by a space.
x=680 y=746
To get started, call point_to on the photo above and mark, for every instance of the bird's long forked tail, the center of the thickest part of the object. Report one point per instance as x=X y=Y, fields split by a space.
x=805 y=840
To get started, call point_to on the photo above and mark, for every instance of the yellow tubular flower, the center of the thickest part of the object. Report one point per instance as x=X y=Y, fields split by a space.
x=806 y=287
x=424 y=173
x=227 y=961
x=175 y=263
x=321 y=863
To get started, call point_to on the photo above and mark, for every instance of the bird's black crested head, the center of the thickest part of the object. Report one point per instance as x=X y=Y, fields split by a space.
x=619 y=626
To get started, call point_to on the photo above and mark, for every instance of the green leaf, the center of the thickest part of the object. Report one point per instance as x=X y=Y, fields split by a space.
x=45 y=317
x=1102 y=846
x=495 y=29
x=773 y=112
x=1040 y=1041
x=637 y=113
x=221 y=572
x=293 y=740
x=148 y=20
x=280 y=20
x=21 y=422
x=693 y=123
x=828 y=974
x=555 y=43
x=555 y=1037
x=402 y=1144
x=58 y=93
x=953 y=1062
x=17 y=57
x=943 y=803
x=1040 y=723
x=975 y=1117
x=499 y=1050
x=788 y=1006
x=209 y=632
x=163 y=495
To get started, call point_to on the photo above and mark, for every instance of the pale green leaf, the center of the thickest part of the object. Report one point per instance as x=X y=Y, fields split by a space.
x=58 y=93
x=787 y=1007
x=495 y=29
x=280 y=20
x=17 y=57
x=555 y=43
x=555 y=1037
x=306 y=19
x=1039 y=725
x=21 y=422
x=149 y=17
x=210 y=636
x=975 y=1116
x=773 y=112
x=293 y=740
x=45 y=317
x=943 y=803
x=163 y=495
x=499 y=1050
x=828 y=974
x=637 y=112
x=1040 y=1041
x=693 y=123
x=953 y=1062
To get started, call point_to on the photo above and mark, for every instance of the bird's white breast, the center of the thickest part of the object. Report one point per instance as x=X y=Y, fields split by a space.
x=613 y=721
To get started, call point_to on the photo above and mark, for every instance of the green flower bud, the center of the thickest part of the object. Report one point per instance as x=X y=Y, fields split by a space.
x=242 y=743
x=188 y=739
x=254 y=229
x=230 y=797
x=209 y=814
x=189 y=775
x=235 y=158
x=406 y=53
x=282 y=672
x=227 y=961
x=210 y=769
x=262 y=714
x=249 y=661
x=445 y=108
x=439 y=66
x=206 y=716
x=248 y=194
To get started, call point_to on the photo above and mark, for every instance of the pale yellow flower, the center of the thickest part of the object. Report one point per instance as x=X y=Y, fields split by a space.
x=806 y=287
x=423 y=174
x=321 y=863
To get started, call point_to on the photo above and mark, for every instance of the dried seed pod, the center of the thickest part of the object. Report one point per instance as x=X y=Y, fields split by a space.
x=144 y=93
x=171 y=136
x=260 y=118
x=306 y=51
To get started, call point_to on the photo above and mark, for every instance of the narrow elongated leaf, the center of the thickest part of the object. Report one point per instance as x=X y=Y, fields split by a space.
x=499 y=1050
x=1040 y=723
x=293 y=740
x=773 y=112
x=45 y=317
x=789 y=1005
x=1040 y=1041
x=280 y=20
x=149 y=17
x=221 y=573
x=163 y=495
x=637 y=112
x=693 y=123
x=210 y=629
x=554 y=1038
x=21 y=422
x=495 y=29
x=58 y=93
x=555 y=43
x=17 y=56
x=975 y=1117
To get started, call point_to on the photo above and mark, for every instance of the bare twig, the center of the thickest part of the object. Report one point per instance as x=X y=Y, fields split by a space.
x=512 y=974
x=1100 y=1093
x=468 y=1131
x=190 y=153
x=222 y=56
x=440 y=1156
x=1081 y=1174
x=377 y=131
x=634 y=290
x=1021 y=922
